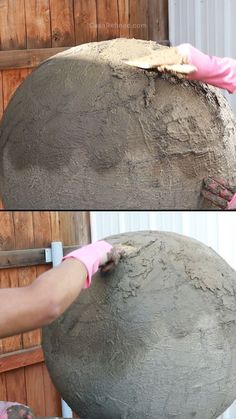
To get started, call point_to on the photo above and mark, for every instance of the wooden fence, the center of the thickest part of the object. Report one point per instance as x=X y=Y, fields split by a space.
x=23 y=375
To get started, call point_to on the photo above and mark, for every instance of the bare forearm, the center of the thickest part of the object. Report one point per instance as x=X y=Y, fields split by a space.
x=27 y=308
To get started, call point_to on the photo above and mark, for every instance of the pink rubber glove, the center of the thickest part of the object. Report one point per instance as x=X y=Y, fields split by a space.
x=92 y=256
x=219 y=192
x=232 y=203
x=9 y=409
x=220 y=72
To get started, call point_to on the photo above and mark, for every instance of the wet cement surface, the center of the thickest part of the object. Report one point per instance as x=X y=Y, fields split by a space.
x=155 y=338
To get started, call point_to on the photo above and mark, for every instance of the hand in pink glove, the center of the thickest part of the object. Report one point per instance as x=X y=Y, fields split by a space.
x=10 y=410
x=220 y=72
x=95 y=255
x=220 y=193
x=189 y=62
x=232 y=204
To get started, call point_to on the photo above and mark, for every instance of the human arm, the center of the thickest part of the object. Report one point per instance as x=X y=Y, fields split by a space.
x=27 y=308
x=191 y=63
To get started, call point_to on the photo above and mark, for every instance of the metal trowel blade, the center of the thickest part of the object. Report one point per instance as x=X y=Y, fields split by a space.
x=146 y=62
x=151 y=61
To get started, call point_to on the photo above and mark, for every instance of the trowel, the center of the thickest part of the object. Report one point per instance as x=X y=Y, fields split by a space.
x=163 y=61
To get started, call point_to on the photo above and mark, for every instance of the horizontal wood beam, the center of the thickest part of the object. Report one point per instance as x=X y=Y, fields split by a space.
x=19 y=359
x=26 y=58
x=30 y=58
x=28 y=257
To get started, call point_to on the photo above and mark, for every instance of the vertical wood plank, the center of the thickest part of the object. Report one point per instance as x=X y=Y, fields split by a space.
x=7 y=241
x=62 y=23
x=68 y=228
x=71 y=227
x=158 y=20
x=108 y=20
x=55 y=225
x=75 y=228
x=23 y=227
x=42 y=229
x=139 y=19
x=37 y=14
x=123 y=11
x=12 y=25
x=85 y=15
x=3 y=389
x=83 y=227
x=24 y=236
x=52 y=397
x=11 y=81
x=15 y=381
x=35 y=389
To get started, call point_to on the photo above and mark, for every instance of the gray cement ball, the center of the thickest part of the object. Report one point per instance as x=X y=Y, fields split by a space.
x=155 y=338
x=85 y=130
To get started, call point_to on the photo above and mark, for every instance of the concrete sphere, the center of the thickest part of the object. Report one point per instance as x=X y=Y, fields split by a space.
x=85 y=130
x=154 y=338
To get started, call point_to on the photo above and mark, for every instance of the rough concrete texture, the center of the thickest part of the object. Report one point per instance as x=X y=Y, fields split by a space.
x=155 y=338
x=87 y=131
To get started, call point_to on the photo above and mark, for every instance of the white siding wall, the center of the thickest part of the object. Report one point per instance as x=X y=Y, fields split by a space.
x=208 y=25
x=215 y=229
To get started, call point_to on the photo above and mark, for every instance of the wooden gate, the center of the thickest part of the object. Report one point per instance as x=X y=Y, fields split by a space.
x=23 y=375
